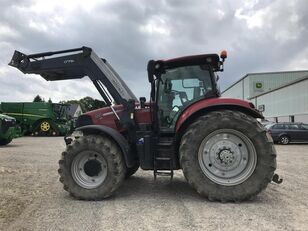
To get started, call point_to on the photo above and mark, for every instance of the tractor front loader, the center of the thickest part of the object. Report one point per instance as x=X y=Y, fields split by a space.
x=224 y=152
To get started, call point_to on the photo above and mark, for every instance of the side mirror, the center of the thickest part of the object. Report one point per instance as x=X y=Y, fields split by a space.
x=142 y=102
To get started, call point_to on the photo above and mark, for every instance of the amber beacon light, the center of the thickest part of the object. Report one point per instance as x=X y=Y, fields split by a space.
x=223 y=55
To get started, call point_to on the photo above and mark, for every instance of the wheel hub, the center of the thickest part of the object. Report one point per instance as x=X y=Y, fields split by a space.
x=92 y=167
x=45 y=126
x=89 y=169
x=284 y=140
x=227 y=157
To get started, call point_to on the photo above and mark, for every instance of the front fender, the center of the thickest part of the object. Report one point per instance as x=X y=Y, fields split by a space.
x=130 y=160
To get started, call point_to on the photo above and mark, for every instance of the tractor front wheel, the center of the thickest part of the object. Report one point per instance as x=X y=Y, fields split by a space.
x=227 y=156
x=92 y=168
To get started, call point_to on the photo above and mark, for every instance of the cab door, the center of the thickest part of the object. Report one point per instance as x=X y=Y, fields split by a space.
x=179 y=88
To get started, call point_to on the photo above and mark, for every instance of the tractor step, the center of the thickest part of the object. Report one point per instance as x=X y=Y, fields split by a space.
x=163 y=173
x=163 y=161
x=163 y=158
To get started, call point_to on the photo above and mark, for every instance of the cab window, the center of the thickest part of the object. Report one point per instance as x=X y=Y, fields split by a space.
x=178 y=88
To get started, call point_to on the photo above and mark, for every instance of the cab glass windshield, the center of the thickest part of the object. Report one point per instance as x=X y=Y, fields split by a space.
x=180 y=87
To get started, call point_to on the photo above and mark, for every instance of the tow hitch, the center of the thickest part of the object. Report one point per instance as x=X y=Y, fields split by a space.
x=277 y=179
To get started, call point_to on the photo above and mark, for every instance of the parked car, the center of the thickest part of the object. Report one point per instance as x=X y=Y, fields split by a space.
x=285 y=133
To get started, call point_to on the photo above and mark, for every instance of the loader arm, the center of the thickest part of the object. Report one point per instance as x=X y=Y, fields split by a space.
x=76 y=64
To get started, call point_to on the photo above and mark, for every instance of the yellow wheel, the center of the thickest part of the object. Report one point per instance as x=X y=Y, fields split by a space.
x=45 y=126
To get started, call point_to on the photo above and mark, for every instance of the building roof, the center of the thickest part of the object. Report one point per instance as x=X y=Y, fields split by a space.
x=261 y=73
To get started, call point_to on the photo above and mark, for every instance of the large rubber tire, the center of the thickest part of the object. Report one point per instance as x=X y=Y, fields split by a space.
x=240 y=123
x=5 y=141
x=106 y=150
x=131 y=171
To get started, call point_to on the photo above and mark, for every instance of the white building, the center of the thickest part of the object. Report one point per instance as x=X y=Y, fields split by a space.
x=281 y=96
x=74 y=110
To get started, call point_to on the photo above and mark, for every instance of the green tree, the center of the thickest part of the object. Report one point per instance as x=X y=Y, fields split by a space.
x=87 y=103
x=38 y=98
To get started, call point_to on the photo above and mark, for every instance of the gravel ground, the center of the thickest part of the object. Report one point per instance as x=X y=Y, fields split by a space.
x=31 y=198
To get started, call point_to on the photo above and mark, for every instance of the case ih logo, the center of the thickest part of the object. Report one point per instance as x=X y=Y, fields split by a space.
x=68 y=61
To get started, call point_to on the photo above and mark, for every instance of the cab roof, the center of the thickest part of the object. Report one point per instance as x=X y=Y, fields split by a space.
x=210 y=59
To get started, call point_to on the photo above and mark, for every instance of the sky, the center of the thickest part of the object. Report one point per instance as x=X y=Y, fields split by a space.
x=260 y=36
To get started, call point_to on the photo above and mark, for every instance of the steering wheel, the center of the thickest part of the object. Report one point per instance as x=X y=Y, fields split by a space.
x=170 y=120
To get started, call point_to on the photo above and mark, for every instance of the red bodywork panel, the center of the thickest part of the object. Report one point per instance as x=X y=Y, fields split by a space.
x=208 y=103
x=105 y=116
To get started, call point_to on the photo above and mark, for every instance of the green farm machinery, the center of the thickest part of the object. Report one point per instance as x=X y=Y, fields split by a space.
x=39 y=118
x=8 y=129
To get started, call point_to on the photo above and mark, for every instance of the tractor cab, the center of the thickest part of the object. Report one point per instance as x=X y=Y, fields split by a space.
x=178 y=83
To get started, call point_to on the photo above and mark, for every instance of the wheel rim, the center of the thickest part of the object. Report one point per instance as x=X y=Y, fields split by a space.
x=45 y=126
x=227 y=157
x=89 y=169
x=284 y=140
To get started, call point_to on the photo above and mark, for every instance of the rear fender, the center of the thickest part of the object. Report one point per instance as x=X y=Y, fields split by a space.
x=203 y=107
x=130 y=160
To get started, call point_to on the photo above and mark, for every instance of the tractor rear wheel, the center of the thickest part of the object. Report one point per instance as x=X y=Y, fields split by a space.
x=227 y=156
x=92 y=168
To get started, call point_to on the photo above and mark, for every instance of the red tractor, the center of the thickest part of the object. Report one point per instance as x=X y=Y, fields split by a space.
x=224 y=152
